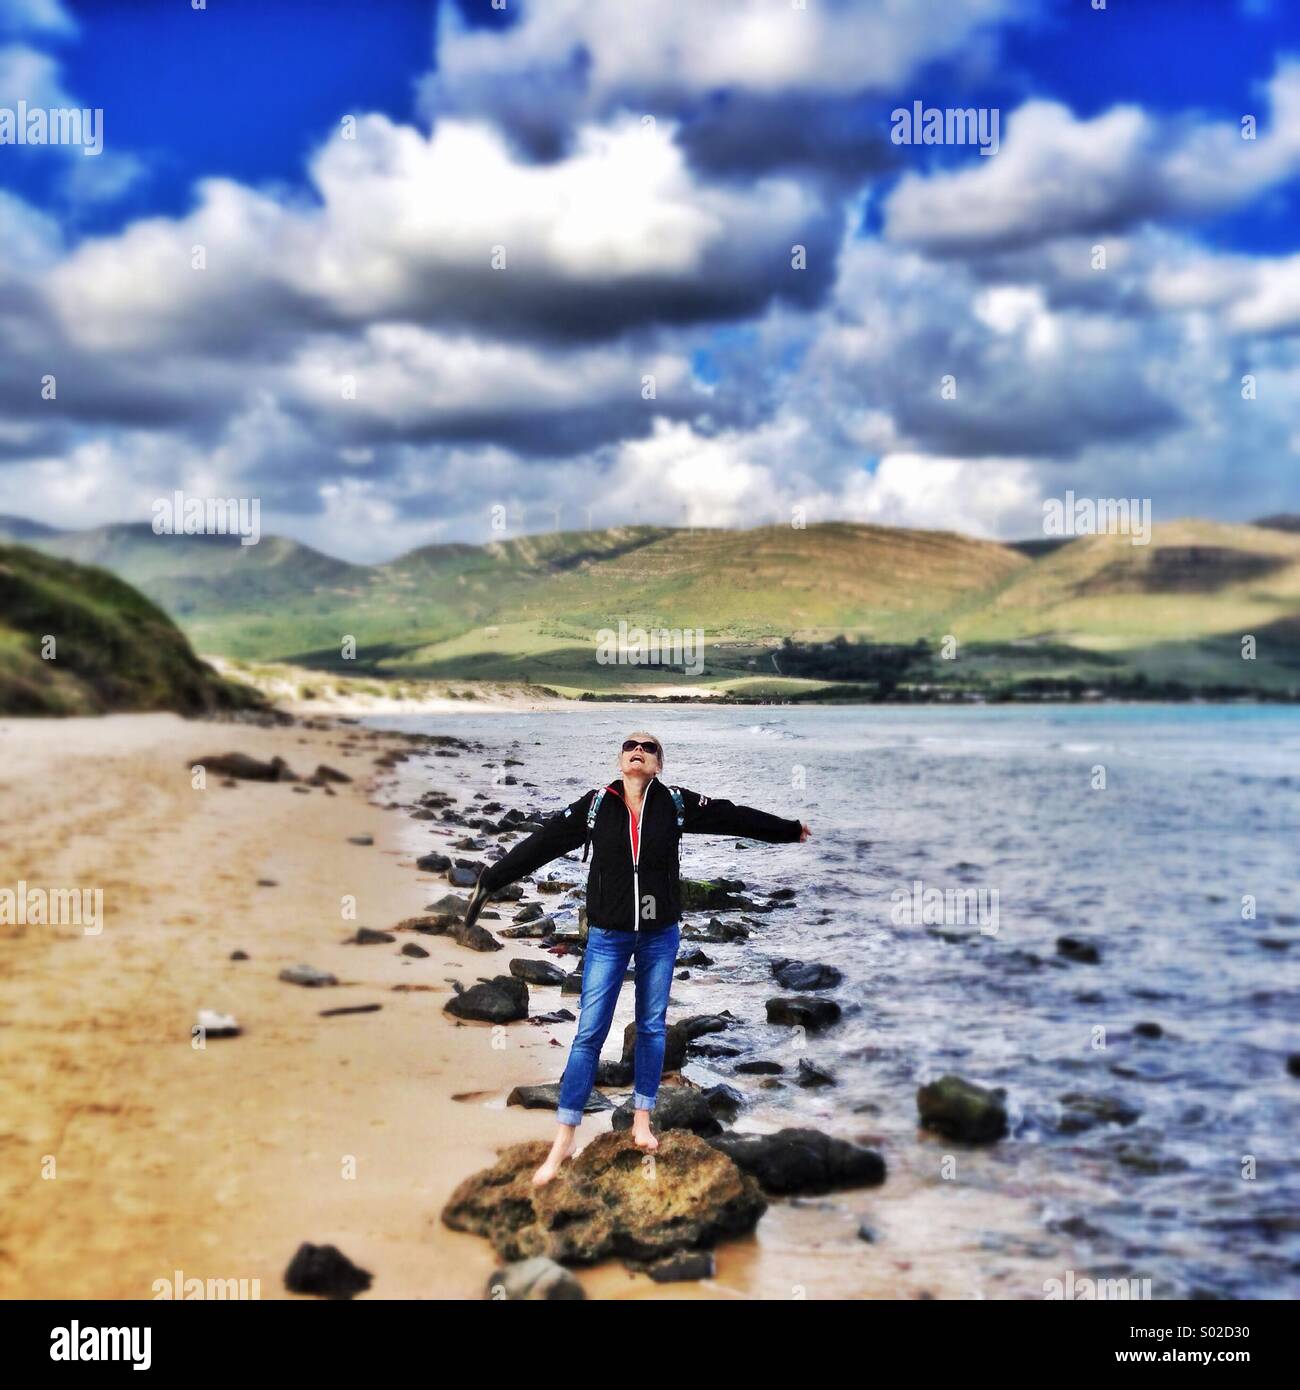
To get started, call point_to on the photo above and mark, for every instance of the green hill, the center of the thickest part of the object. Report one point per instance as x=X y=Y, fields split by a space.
x=1096 y=611
x=77 y=640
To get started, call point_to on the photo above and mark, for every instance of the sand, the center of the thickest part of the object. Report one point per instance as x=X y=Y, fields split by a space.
x=218 y=1162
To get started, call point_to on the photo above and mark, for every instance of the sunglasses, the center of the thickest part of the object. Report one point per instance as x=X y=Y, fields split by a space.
x=652 y=748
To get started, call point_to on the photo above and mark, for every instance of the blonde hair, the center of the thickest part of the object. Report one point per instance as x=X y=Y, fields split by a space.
x=641 y=733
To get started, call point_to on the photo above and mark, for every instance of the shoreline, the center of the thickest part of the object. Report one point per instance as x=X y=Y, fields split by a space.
x=352 y=1130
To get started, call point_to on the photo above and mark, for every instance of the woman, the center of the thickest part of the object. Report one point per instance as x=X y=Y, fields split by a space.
x=633 y=911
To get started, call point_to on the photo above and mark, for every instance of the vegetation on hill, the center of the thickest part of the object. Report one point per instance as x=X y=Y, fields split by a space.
x=78 y=640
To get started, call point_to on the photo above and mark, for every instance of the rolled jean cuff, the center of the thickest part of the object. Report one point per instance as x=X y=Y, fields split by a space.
x=640 y=1102
x=568 y=1117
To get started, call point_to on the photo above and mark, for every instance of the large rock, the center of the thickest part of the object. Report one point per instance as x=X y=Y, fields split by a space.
x=961 y=1110
x=803 y=1160
x=676 y=1107
x=502 y=999
x=611 y=1200
x=714 y=895
x=812 y=1014
x=244 y=767
x=537 y=972
x=547 y=1097
x=677 y=1036
x=799 y=974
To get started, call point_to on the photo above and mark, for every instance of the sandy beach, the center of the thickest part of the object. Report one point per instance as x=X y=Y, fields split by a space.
x=218 y=1162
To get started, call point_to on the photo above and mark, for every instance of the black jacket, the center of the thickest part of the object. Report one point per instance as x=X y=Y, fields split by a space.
x=623 y=895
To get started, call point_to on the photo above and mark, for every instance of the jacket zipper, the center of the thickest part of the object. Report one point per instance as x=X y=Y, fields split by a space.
x=635 y=844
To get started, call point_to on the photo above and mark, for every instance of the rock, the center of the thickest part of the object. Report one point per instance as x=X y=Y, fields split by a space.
x=797 y=974
x=695 y=957
x=1293 y=1064
x=961 y=1110
x=267 y=883
x=368 y=936
x=538 y=1278
x=416 y=952
x=547 y=1097
x=1148 y=1030
x=461 y=878
x=502 y=999
x=553 y=885
x=677 y=1037
x=1140 y=1153
x=363 y=840
x=714 y=895
x=676 y=1107
x=1083 y=952
x=716 y=931
x=433 y=863
x=307 y=975
x=247 y=769
x=812 y=1014
x=759 y=1068
x=325 y=1270
x=351 y=1009
x=536 y=972
x=866 y=1233
x=600 y=1203
x=611 y=1072
x=673 y=1269
x=239 y=955
x=531 y=913
x=1081 y=1112
x=803 y=1160
x=812 y=1075
x=325 y=773
x=215 y=1025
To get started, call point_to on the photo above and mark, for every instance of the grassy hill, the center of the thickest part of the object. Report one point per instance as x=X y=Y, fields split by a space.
x=1096 y=611
x=109 y=647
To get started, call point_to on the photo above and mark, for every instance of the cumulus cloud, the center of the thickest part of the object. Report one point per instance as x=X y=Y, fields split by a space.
x=1056 y=175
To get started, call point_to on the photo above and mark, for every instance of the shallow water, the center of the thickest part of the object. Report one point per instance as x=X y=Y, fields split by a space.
x=1200 y=807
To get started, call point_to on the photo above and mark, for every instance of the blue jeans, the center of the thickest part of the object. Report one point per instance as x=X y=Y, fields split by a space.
x=603 y=968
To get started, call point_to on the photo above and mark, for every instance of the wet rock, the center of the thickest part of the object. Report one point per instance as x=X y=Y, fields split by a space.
x=325 y=1270
x=362 y=840
x=812 y=1075
x=1293 y=1064
x=865 y=1233
x=553 y=885
x=675 y=1269
x=547 y=1097
x=433 y=863
x=1140 y=1153
x=308 y=976
x=461 y=878
x=325 y=773
x=239 y=955
x=502 y=999
x=803 y=1160
x=759 y=1068
x=798 y=974
x=1081 y=1112
x=960 y=1110
x=677 y=1037
x=536 y=972
x=695 y=957
x=530 y=1280
x=533 y=930
x=715 y=895
x=532 y=912
x=716 y=932
x=812 y=1014
x=414 y=951
x=1148 y=1030
x=1081 y=952
x=600 y=1203
x=676 y=1107
x=611 y=1072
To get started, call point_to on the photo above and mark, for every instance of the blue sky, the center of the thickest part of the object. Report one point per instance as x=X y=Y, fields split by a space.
x=347 y=172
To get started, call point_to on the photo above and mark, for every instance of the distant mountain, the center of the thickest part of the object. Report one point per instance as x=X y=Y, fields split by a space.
x=18 y=528
x=109 y=647
x=1283 y=521
x=532 y=608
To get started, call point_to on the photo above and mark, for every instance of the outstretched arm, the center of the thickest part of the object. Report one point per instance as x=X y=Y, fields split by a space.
x=560 y=833
x=707 y=815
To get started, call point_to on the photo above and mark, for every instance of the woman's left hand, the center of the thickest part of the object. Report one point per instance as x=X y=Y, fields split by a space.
x=804 y=832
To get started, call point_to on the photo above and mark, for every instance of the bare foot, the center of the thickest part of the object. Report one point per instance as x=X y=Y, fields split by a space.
x=642 y=1135
x=560 y=1150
